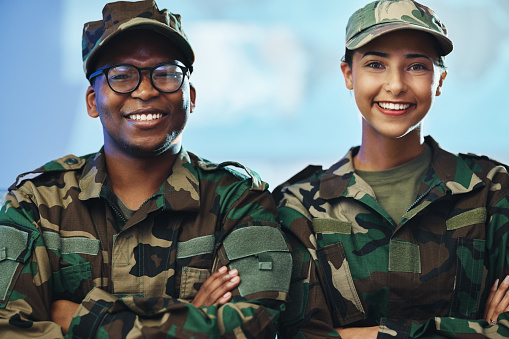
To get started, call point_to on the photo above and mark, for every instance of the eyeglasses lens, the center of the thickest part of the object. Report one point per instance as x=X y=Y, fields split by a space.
x=125 y=78
x=167 y=78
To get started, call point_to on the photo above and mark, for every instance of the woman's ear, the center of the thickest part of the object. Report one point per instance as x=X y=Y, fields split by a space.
x=440 y=83
x=91 y=105
x=347 y=74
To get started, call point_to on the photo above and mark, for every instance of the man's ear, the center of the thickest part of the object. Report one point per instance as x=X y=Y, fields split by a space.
x=440 y=83
x=192 y=94
x=91 y=105
x=347 y=74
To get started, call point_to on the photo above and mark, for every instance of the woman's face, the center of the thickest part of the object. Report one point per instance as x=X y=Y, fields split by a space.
x=394 y=79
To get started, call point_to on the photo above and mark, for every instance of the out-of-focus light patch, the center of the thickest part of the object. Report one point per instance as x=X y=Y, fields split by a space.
x=86 y=136
x=75 y=14
x=463 y=3
x=243 y=69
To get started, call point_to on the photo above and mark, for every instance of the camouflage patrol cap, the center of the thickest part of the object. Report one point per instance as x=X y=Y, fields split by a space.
x=124 y=15
x=381 y=17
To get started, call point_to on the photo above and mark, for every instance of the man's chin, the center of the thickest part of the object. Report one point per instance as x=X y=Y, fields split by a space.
x=143 y=152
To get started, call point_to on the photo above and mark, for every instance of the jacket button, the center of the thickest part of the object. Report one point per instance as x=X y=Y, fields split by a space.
x=71 y=161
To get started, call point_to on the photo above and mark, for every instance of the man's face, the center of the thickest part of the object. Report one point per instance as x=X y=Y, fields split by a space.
x=144 y=123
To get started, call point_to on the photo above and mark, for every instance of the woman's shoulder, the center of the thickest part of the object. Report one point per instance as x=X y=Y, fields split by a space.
x=310 y=173
x=493 y=173
x=482 y=160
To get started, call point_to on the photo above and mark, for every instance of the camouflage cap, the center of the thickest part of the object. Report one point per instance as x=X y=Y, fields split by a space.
x=124 y=15
x=381 y=17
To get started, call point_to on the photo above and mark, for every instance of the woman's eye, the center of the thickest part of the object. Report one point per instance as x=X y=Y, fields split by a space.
x=375 y=65
x=417 y=67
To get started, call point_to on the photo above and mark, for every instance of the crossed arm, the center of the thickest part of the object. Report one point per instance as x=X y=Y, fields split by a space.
x=216 y=289
x=497 y=303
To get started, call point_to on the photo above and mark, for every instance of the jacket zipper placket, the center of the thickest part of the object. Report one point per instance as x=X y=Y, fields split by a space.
x=434 y=184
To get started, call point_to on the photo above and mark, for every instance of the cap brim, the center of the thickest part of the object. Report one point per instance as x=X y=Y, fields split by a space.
x=374 y=32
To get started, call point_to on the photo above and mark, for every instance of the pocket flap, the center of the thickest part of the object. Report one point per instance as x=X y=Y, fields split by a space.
x=13 y=244
x=248 y=241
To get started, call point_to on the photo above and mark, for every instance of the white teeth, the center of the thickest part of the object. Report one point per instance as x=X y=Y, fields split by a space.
x=393 y=106
x=145 y=117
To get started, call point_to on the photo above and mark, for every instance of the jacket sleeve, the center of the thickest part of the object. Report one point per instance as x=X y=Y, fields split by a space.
x=313 y=318
x=26 y=283
x=307 y=313
x=253 y=244
x=497 y=262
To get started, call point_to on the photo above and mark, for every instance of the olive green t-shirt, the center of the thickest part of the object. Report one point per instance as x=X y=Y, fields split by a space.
x=396 y=188
x=126 y=211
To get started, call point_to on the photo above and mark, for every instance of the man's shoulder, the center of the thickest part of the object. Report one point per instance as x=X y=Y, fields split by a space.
x=57 y=167
x=227 y=172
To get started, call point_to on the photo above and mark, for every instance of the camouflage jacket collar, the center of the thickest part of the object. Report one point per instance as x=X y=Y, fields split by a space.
x=180 y=191
x=447 y=168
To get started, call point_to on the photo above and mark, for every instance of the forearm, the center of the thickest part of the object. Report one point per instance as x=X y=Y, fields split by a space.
x=445 y=327
x=102 y=313
x=14 y=324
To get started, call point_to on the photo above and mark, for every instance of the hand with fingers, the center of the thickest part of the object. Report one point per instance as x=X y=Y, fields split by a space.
x=498 y=301
x=216 y=289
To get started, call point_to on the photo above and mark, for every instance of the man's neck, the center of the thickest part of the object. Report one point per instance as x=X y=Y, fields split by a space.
x=134 y=180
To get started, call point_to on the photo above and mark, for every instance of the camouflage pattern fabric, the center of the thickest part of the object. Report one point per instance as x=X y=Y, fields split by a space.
x=125 y=15
x=61 y=237
x=426 y=277
x=383 y=16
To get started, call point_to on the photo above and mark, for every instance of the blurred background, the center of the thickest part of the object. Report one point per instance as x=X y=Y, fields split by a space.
x=270 y=93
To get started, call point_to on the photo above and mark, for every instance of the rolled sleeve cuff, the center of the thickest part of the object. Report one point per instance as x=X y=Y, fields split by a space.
x=91 y=313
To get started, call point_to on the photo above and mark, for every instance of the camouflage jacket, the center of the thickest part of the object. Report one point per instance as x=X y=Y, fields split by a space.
x=62 y=238
x=427 y=276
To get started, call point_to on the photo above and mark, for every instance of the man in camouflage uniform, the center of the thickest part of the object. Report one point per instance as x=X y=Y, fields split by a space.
x=428 y=275
x=125 y=237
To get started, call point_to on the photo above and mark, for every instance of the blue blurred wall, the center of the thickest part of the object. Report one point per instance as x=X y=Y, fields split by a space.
x=269 y=88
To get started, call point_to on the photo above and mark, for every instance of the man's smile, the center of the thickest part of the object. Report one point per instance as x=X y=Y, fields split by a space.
x=145 y=117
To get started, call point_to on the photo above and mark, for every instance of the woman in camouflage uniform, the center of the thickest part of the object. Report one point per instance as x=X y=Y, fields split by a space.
x=399 y=238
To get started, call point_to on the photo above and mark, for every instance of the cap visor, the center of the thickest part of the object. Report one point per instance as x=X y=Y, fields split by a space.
x=374 y=32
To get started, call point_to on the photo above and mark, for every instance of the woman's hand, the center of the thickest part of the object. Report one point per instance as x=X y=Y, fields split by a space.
x=216 y=289
x=358 y=332
x=498 y=301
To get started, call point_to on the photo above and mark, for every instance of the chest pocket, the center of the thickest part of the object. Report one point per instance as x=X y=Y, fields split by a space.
x=337 y=279
x=469 y=277
x=191 y=278
x=335 y=276
x=73 y=282
x=74 y=279
x=469 y=254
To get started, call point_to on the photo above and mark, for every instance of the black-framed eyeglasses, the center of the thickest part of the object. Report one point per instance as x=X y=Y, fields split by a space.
x=125 y=78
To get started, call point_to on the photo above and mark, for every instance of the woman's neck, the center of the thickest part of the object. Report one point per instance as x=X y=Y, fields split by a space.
x=378 y=153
